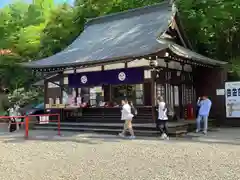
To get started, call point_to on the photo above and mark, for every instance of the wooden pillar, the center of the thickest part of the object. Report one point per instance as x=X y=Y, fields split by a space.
x=166 y=80
x=62 y=115
x=61 y=75
x=76 y=89
x=220 y=113
x=110 y=92
x=45 y=93
x=181 y=91
x=126 y=85
x=153 y=99
x=152 y=86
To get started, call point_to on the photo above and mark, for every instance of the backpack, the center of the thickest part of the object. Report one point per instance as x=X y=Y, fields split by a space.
x=13 y=125
x=170 y=111
x=133 y=110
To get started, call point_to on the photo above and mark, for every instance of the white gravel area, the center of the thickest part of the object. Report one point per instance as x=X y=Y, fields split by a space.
x=104 y=157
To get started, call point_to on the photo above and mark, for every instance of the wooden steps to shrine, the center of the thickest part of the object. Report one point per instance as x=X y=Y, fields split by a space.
x=108 y=120
x=107 y=115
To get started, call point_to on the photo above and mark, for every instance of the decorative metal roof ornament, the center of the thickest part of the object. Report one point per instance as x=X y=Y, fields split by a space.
x=164 y=38
x=174 y=11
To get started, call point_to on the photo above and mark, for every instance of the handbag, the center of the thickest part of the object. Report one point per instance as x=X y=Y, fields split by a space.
x=170 y=111
x=13 y=125
x=133 y=110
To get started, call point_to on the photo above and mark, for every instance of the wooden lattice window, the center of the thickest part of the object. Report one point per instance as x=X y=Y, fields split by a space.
x=188 y=94
x=160 y=91
x=139 y=94
x=184 y=97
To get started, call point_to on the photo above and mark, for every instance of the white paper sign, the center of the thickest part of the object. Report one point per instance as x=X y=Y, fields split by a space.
x=53 y=85
x=220 y=92
x=176 y=96
x=43 y=119
x=232 y=99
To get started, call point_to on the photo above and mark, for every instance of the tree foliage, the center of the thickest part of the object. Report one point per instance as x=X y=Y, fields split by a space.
x=43 y=28
x=21 y=26
x=213 y=26
x=23 y=97
x=60 y=30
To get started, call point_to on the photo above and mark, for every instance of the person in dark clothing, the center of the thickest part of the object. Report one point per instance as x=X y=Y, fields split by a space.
x=4 y=106
x=4 y=103
x=197 y=108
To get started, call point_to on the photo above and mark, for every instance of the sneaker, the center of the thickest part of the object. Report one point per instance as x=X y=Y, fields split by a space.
x=121 y=135
x=166 y=138
x=132 y=137
x=205 y=132
x=163 y=136
x=197 y=130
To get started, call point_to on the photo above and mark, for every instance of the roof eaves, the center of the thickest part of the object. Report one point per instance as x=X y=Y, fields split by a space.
x=75 y=64
x=92 y=62
x=195 y=56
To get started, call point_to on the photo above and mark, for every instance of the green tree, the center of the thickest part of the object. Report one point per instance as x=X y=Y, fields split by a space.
x=212 y=26
x=12 y=75
x=94 y=8
x=28 y=43
x=11 y=22
x=21 y=25
x=61 y=29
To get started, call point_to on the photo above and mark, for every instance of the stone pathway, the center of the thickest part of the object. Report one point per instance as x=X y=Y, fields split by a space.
x=74 y=156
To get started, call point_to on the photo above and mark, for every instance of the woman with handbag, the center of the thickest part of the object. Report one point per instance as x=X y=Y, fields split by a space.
x=127 y=118
x=133 y=109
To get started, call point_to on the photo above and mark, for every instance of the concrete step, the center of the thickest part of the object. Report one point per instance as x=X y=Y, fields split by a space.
x=146 y=129
x=120 y=123
x=174 y=126
x=112 y=131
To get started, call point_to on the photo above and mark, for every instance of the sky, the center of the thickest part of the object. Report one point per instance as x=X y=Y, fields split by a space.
x=6 y=2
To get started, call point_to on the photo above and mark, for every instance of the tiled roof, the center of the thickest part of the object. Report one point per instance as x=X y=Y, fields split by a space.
x=126 y=34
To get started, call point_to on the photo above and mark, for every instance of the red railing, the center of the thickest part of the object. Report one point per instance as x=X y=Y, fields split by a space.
x=47 y=121
x=27 y=120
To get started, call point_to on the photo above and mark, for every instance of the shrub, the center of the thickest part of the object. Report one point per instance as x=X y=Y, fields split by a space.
x=22 y=97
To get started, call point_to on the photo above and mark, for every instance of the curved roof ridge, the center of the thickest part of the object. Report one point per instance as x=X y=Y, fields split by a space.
x=129 y=13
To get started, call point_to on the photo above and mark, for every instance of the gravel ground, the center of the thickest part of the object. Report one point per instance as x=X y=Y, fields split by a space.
x=105 y=157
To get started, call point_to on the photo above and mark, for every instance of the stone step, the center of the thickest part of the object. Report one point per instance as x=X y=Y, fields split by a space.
x=106 y=120
x=112 y=131
x=139 y=126
x=119 y=123
x=175 y=128
x=146 y=129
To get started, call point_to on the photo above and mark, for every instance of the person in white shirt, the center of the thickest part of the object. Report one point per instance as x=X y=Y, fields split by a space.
x=161 y=123
x=127 y=117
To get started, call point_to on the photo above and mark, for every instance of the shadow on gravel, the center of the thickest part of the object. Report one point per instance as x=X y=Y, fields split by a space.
x=188 y=138
x=207 y=141
x=91 y=140
x=97 y=138
x=18 y=137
